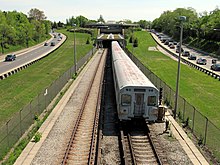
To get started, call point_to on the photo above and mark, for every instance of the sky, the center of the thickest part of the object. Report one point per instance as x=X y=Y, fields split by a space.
x=134 y=10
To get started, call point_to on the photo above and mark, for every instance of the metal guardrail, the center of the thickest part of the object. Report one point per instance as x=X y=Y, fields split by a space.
x=188 y=62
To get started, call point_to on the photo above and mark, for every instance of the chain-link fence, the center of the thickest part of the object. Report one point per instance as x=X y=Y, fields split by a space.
x=11 y=132
x=204 y=130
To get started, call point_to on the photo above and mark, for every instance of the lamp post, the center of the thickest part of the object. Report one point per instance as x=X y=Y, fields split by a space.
x=182 y=19
x=75 y=67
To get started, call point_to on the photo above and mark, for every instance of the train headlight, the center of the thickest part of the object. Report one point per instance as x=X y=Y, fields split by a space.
x=123 y=110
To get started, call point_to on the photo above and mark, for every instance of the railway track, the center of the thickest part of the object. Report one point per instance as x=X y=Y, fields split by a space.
x=81 y=148
x=139 y=147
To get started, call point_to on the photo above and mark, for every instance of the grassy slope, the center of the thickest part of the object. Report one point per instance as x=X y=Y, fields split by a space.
x=19 y=89
x=197 y=88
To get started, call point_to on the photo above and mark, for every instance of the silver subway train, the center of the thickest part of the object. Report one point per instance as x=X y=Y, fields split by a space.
x=136 y=96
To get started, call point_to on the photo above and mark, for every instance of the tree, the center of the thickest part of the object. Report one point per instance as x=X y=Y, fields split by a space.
x=101 y=19
x=6 y=33
x=144 y=24
x=81 y=21
x=36 y=14
x=135 y=44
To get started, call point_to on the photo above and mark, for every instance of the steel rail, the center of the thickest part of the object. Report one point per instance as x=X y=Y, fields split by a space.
x=93 y=150
x=65 y=158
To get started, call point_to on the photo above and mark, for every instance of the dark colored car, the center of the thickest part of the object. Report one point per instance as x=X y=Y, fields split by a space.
x=214 y=61
x=10 y=57
x=215 y=67
x=201 y=61
x=177 y=50
x=166 y=42
x=192 y=57
x=52 y=44
x=186 y=53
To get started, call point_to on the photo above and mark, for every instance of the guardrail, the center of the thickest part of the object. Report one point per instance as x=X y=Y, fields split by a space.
x=27 y=64
x=186 y=61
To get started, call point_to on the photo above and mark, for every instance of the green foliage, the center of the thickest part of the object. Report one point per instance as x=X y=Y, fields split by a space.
x=16 y=30
x=144 y=24
x=135 y=42
x=195 y=27
x=80 y=21
x=37 y=137
x=101 y=19
x=131 y=39
x=88 y=41
x=23 y=143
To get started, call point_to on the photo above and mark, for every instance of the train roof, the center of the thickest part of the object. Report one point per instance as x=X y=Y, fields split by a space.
x=127 y=73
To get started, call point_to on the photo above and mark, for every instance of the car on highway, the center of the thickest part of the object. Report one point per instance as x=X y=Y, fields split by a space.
x=215 y=67
x=177 y=50
x=52 y=44
x=10 y=57
x=201 y=61
x=192 y=57
x=166 y=42
x=46 y=44
x=185 y=53
x=172 y=46
x=214 y=61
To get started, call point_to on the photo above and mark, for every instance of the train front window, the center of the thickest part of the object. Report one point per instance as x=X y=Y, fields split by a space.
x=151 y=101
x=125 y=99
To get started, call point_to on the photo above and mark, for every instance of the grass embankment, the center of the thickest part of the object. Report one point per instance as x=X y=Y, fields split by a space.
x=18 y=90
x=199 y=89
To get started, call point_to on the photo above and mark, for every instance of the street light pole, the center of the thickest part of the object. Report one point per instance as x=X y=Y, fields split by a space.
x=182 y=18
x=75 y=65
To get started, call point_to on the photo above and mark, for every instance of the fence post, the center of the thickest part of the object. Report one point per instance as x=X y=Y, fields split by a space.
x=193 y=120
x=184 y=109
x=31 y=110
x=20 y=121
x=7 y=133
x=38 y=104
x=170 y=97
x=206 y=127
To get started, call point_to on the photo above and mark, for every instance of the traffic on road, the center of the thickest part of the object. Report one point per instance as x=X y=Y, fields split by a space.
x=14 y=60
x=189 y=54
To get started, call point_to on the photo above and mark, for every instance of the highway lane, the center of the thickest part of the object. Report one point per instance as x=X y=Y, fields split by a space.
x=29 y=55
x=198 y=55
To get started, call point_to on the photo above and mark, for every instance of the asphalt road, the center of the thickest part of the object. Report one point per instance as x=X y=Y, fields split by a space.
x=29 y=55
x=198 y=55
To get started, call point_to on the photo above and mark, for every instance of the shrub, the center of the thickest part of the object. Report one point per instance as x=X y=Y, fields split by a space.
x=37 y=137
x=87 y=42
x=135 y=42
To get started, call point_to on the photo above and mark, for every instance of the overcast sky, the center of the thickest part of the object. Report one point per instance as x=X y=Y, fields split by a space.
x=135 y=10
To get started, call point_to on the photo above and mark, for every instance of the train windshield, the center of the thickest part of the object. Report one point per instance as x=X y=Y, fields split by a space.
x=126 y=99
x=152 y=101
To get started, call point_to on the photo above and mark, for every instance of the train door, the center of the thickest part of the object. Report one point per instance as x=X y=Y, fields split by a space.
x=139 y=104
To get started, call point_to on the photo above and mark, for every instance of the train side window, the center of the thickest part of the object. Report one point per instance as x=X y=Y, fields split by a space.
x=151 y=101
x=126 y=99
